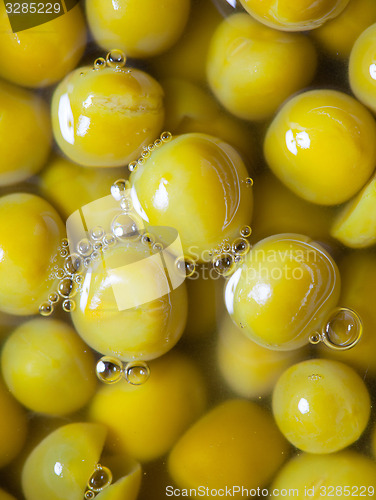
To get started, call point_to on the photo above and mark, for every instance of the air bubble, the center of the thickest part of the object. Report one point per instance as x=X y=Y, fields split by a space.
x=100 y=479
x=95 y=256
x=97 y=233
x=136 y=372
x=185 y=266
x=100 y=63
x=157 y=143
x=84 y=247
x=249 y=182
x=68 y=305
x=73 y=264
x=166 y=136
x=67 y=288
x=245 y=231
x=109 y=240
x=140 y=162
x=53 y=298
x=148 y=239
x=157 y=247
x=342 y=330
x=46 y=309
x=63 y=252
x=78 y=279
x=315 y=338
x=97 y=246
x=116 y=59
x=87 y=262
x=240 y=246
x=224 y=264
x=126 y=205
x=60 y=274
x=146 y=154
x=64 y=242
x=151 y=147
x=109 y=370
x=119 y=188
x=132 y=166
x=125 y=227
x=89 y=495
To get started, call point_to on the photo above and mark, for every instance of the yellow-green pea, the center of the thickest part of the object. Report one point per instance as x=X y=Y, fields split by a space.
x=25 y=133
x=146 y=420
x=42 y=55
x=61 y=465
x=144 y=325
x=252 y=69
x=48 y=368
x=31 y=231
x=141 y=28
x=249 y=369
x=322 y=146
x=321 y=406
x=6 y=496
x=182 y=186
x=104 y=117
x=338 y=474
x=283 y=290
x=13 y=426
x=236 y=443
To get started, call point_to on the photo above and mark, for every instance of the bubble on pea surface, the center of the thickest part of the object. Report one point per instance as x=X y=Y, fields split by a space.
x=89 y=495
x=68 y=305
x=100 y=479
x=109 y=370
x=99 y=63
x=84 y=247
x=185 y=266
x=249 y=182
x=97 y=233
x=125 y=227
x=53 y=298
x=46 y=309
x=240 y=246
x=245 y=231
x=73 y=264
x=224 y=264
x=116 y=59
x=343 y=329
x=67 y=288
x=119 y=188
x=136 y=372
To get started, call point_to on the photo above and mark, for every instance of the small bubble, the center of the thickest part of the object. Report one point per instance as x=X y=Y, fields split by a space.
x=132 y=166
x=157 y=143
x=67 y=288
x=89 y=495
x=97 y=233
x=53 y=298
x=87 y=262
x=146 y=154
x=224 y=264
x=226 y=247
x=99 y=63
x=116 y=59
x=118 y=189
x=151 y=147
x=60 y=274
x=68 y=305
x=46 y=309
x=78 y=279
x=136 y=372
x=126 y=205
x=140 y=162
x=157 y=247
x=240 y=246
x=315 y=338
x=245 y=231
x=238 y=259
x=64 y=242
x=100 y=479
x=148 y=239
x=73 y=264
x=185 y=266
x=95 y=256
x=63 y=252
x=125 y=227
x=249 y=182
x=84 y=247
x=343 y=329
x=109 y=240
x=166 y=136
x=109 y=370
x=97 y=246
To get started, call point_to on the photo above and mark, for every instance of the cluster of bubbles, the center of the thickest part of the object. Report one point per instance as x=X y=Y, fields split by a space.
x=147 y=150
x=341 y=330
x=115 y=59
x=111 y=370
x=228 y=255
x=98 y=481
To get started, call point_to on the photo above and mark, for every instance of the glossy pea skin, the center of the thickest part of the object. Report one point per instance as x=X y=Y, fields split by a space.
x=196 y=184
x=235 y=443
x=60 y=466
x=252 y=69
x=104 y=117
x=141 y=28
x=25 y=132
x=247 y=368
x=48 y=368
x=337 y=36
x=31 y=231
x=321 y=406
x=351 y=472
x=300 y=15
x=362 y=68
x=13 y=426
x=321 y=145
x=42 y=55
x=358 y=275
x=282 y=291
x=146 y=420
x=144 y=330
x=89 y=184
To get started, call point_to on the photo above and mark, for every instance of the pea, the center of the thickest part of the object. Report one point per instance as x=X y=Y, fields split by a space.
x=321 y=406
x=181 y=186
x=235 y=443
x=252 y=69
x=146 y=420
x=6 y=496
x=42 y=55
x=321 y=145
x=125 y=24
x=300 y=15
x=282 y=291
x=30 y=233
x=48 y=368
x=104 y=117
